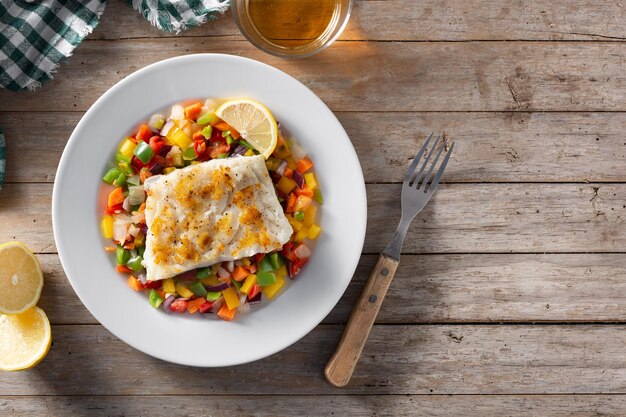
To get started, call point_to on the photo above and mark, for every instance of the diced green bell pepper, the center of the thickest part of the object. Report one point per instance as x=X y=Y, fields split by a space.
x=237 y=284
x=317 y=196
x=208 y=117
x=155 y=299
x=189 y=154
x=197 y=288
x=213 y=295
x=299 y=215
x=207 y=132
x=265 y=278
x=245 y=143
x=122 y=255
x=203 y=272
x=111 y=175
x=143 y=152
x=120 y=157
x=120 y=181
x=265 y=265
x=276 y=260
x=134 y=263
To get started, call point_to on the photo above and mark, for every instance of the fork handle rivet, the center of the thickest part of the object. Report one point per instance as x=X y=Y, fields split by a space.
x=384 y=272
x=373 y=298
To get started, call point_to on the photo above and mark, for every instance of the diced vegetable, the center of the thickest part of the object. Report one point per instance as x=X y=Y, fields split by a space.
x=136 y=194
x=231 y=298
x=135 y=284
x=107 y=227
x=116 y=197
x=122 y=255
x=285 y=185
x=194 y=305
x=311 y=182
x=111 y=175
x=207 y=118
x=248 y=284
x=298 y=179
x=309 y=216
x=155 y=299
x=134 y=263
x=271 y=290
x=225 y=313
x=203 y=272
x=127 y=148
x=265 y=265
x=239 y=273
x=143 y=152
x=179 y=138
x=301 y=234
x=198 y=289
x=205 y=307
x=314 y=232
x=178 y=306
x=265 y=278
x=144 y=133
x=297 y=225
x=168 y=286
x=276 y=260
x=302 y=251
x=299 y=215
x=317 y=196
x=213 y=295
x=189 y=154
x=302 y=203
x=183 y=291
x=193 y=111
x=207 y=131
x=156 y=122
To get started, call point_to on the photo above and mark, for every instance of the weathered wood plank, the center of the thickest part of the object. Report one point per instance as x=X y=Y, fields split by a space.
x=399 y=76
x=490 y=147
x=448 y=289
x=425 y=21
x=88 y=360
x=328 y=405
x=461 y=218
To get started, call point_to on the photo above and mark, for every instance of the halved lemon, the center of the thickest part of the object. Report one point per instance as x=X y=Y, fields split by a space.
x=24 y=339
x=253 y=121
x=21 y=279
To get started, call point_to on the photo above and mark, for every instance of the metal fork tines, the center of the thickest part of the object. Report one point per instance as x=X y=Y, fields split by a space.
x=418 y=187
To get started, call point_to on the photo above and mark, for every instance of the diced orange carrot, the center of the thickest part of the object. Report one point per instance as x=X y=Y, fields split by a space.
x=135 y=284
x=304 y=165
x=193 y=305
x=222 y=126
x=116 y=197
x=240 y=273
x=123 y=268
x=306 y=191
x=161 y=293
x=236 y=135
x=225 y=313
x=291 y=202
x=144 y=133
x=252 y=268
x=110 y=248
x=193 y=111
x=288 y=172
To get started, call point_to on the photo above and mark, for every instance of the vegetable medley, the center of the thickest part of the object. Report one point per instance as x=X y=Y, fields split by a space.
x=190 y=135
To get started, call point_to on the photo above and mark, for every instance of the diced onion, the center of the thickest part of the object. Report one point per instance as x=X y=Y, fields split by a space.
x=210 y=104
x=222 y=273
x=136 y=195
x=142 y=277
x=302 y=251
x=120 y=232
x=155 y=120
x=281 y=168
x=138 y=217
x=126 y=204
x=167 y=127
x=133 y=230
x=167 y=303
x=230 y=266
x=297 y=151
x=178 y=112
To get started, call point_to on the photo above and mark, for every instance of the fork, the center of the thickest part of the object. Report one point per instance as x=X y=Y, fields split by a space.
x=417 y=189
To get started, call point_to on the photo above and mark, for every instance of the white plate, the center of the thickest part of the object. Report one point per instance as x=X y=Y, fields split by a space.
x=182 y=339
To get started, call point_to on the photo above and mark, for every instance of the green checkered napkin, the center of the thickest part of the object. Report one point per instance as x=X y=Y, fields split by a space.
x=37 y=35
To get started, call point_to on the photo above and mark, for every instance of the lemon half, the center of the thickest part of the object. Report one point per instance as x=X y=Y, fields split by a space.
x=24 y=339
x=21 y=279
x=253 y=121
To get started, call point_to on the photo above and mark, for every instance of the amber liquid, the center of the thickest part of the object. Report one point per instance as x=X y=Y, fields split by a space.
x=292 y=23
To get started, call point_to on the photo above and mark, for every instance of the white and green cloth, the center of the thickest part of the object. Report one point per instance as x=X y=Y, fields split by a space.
x=37 y=35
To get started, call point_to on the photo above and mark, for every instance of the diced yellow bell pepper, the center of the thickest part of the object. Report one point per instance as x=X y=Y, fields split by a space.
x=271 y=290
x=297 y=225
x=183 y=291
x=301 y=234
x=169 y=169
x=272 y=164
x=169 y=286
x=291 y=164
x=248 y=284
x=211 y=281
x=309 y=216
x=249 y=152
x=127 y=148
x=310 y=180
x=179 y=137
x=282 y=271
x=285 y=185
x=246 y=261
x=107 y=227
x=314 y=232
x=231 y=297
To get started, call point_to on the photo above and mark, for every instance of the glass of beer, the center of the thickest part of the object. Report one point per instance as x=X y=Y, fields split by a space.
x=291 y=28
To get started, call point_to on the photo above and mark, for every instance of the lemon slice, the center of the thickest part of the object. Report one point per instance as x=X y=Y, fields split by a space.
x=253 y=121
x=24 y=339
x=21 y=279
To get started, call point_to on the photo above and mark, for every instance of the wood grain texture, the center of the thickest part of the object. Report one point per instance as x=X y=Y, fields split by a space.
x=461 y=218
x=430 y=359
x=342 y=363
x=490 y=147
x=327 y=405
x=426 y=20
x=399 y=76
x=448 y=289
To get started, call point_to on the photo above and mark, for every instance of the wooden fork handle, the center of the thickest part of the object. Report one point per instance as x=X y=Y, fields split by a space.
x=341 y=365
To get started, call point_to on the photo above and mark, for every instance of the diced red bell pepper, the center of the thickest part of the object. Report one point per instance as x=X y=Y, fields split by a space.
x=215 y=149
x=156 y=143
x=256 y=289
x=144 y=133
x=178 y=306
x=287 y=251
x=123 y=269
x=259 y=256
x=193 y=110
x=205 y=307
x=114 y=209
x=294 y=267
x=199 y=146
x=153 y=285
x=198 y=136
x=136 y=162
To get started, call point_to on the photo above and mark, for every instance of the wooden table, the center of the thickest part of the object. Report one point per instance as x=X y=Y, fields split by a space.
x=511 y=295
